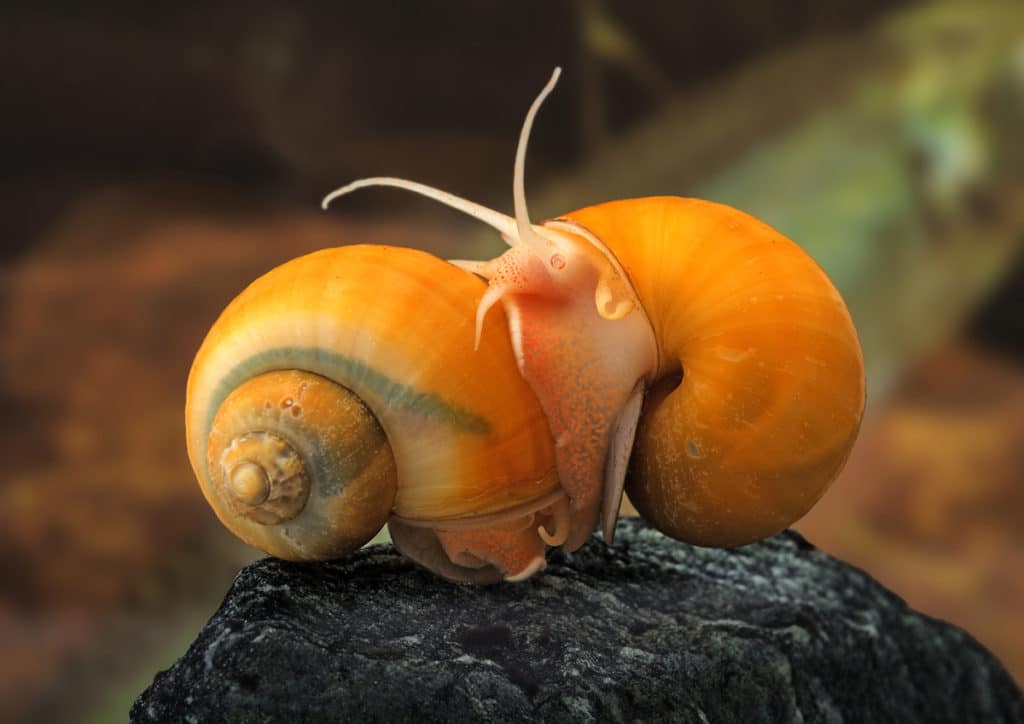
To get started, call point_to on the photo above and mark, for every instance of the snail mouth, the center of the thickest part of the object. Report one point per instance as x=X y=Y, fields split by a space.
x=511 y=543
x=487 y=548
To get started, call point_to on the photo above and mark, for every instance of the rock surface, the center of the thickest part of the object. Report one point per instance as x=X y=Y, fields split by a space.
x=646 y=629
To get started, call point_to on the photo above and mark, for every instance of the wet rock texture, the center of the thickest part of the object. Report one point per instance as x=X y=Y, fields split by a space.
x=645 y=629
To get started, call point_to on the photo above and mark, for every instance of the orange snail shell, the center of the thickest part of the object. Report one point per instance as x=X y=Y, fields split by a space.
x=772 y=388
x=340 y=392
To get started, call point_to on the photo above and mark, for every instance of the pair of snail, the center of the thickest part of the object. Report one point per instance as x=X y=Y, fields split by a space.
x=675 y=348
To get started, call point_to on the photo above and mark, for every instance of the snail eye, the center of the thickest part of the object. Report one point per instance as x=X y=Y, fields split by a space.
x=557 y=261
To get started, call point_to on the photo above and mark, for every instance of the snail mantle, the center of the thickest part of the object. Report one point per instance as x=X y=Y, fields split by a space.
x=646 y=629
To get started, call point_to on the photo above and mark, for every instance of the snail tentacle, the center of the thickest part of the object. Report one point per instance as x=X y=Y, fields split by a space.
x=474 y=266
x=492 y=218
x=526 y=234
x=561 y=518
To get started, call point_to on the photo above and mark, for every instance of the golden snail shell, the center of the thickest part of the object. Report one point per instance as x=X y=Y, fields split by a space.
x=701 y=333
x=765 y=379
x=341 y=391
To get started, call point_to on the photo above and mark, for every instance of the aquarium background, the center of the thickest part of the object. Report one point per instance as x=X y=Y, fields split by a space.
x=155 y=162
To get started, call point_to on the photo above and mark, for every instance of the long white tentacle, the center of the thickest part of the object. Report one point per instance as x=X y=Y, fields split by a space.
x=513 y=231
x=505 y=224
x=526 y=233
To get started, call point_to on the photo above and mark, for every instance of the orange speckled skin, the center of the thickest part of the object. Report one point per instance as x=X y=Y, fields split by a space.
x=773 y=384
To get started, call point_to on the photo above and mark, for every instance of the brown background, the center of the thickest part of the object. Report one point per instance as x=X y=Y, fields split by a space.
x=154 y=163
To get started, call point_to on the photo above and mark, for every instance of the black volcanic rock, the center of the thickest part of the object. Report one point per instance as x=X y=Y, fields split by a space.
x=646 y=629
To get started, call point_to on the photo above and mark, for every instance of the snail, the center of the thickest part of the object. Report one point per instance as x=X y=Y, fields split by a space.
x=341 y=391
x=676 y=349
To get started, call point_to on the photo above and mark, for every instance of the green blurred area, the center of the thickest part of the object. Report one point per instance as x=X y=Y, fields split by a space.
x=164 y=159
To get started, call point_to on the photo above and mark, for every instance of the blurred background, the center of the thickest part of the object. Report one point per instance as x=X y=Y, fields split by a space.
x=156 y=161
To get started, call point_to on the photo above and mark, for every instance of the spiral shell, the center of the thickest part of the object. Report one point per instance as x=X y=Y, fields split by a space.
x=759 y=391
x=341 y=391
x=284 y=434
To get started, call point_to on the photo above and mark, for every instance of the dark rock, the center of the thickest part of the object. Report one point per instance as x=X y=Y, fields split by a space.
x=646 y=629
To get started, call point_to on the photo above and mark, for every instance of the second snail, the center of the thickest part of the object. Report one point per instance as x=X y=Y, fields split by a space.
x=486 y=411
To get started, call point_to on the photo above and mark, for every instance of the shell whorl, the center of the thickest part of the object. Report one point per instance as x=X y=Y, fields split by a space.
x=263 y=477
x=299 y=467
